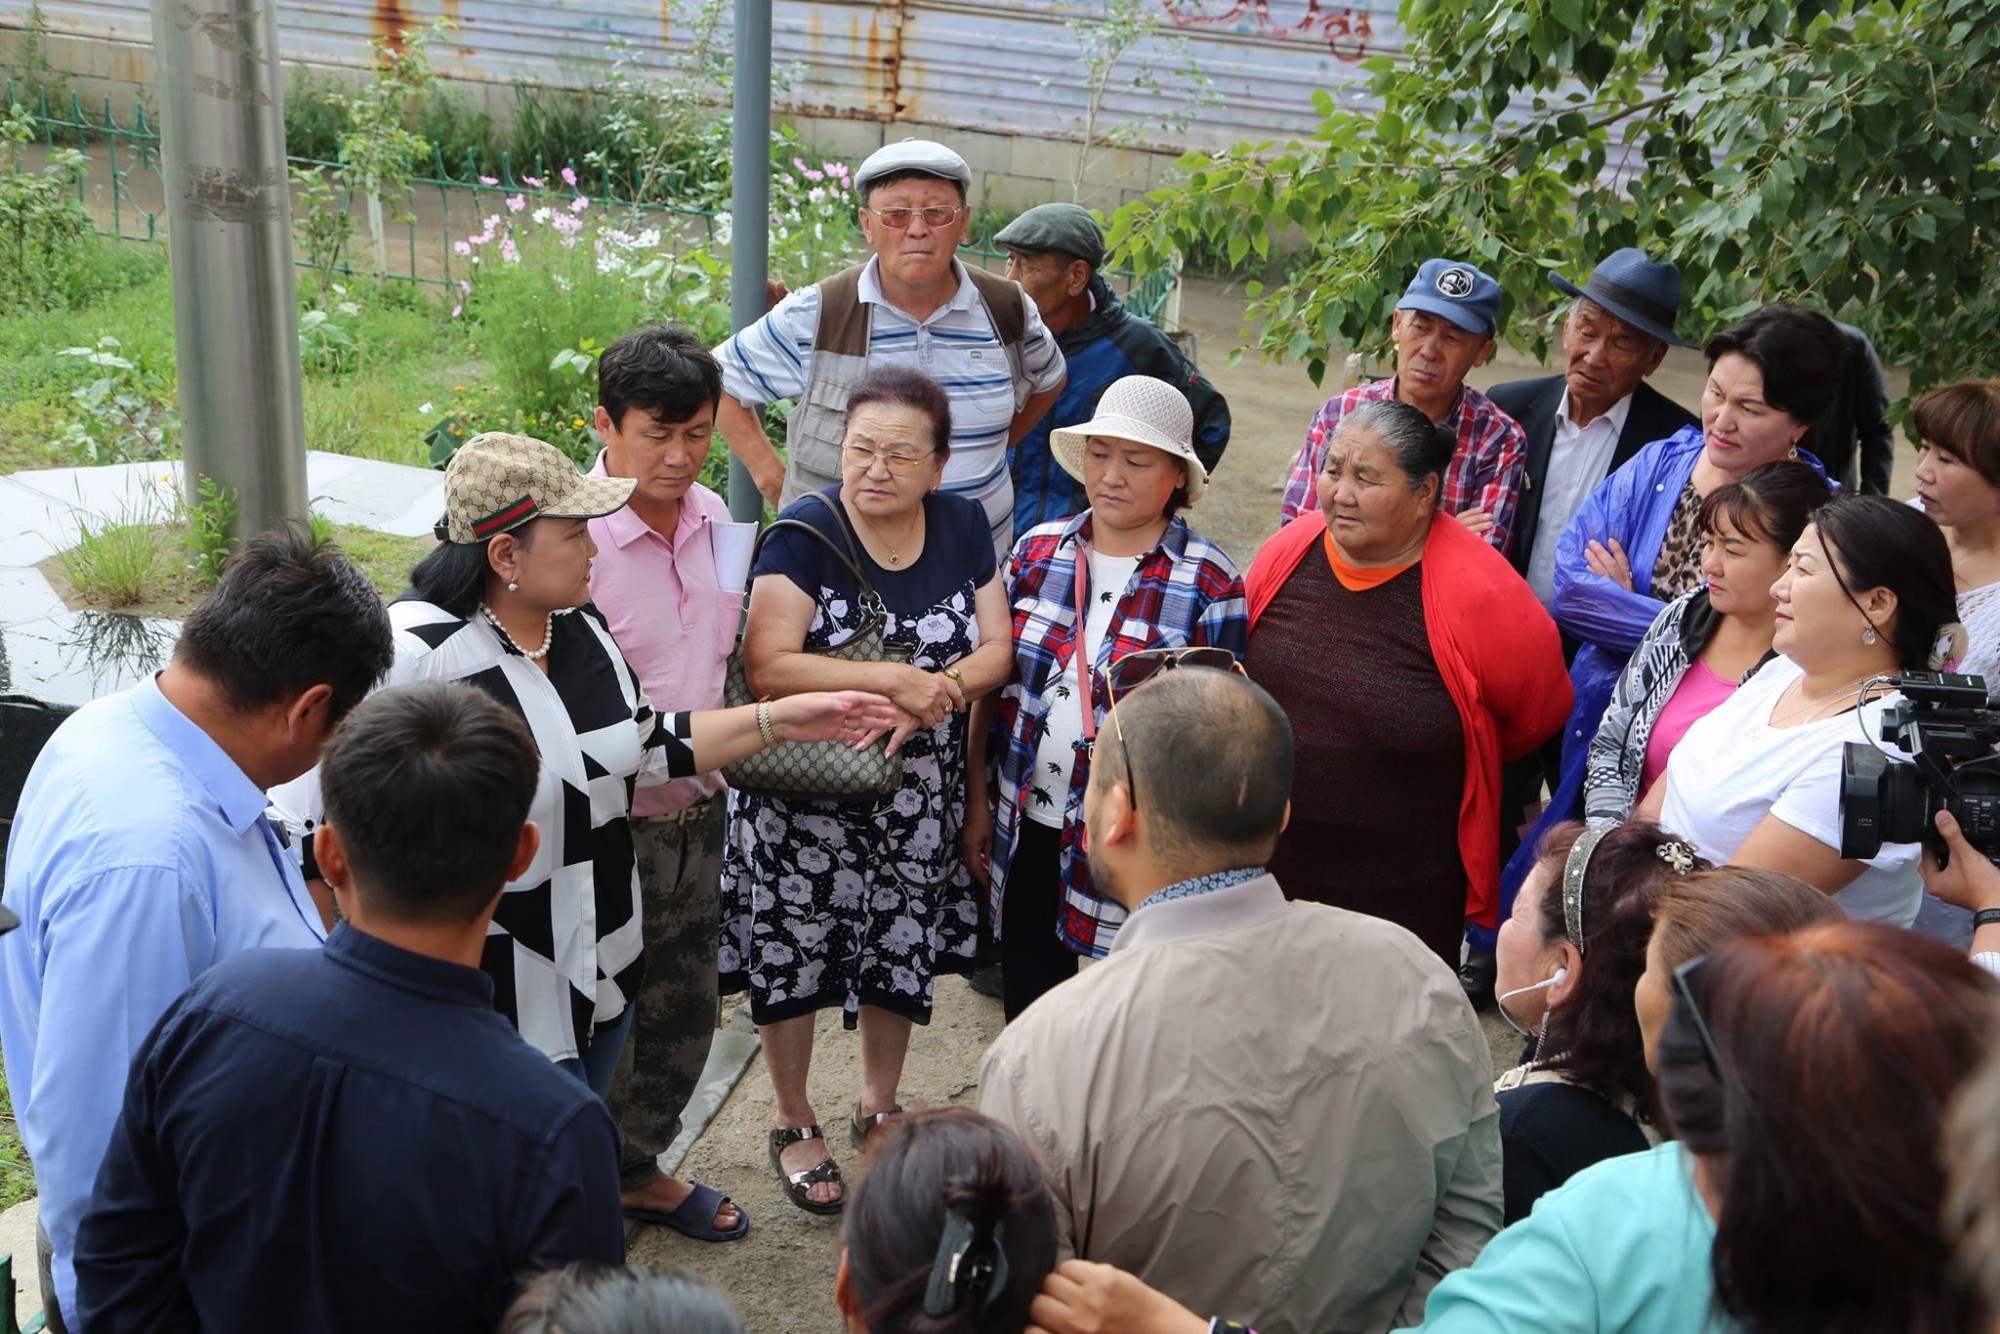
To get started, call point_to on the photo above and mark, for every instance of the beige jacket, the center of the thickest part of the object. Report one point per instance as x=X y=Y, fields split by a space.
x=1277 y=1112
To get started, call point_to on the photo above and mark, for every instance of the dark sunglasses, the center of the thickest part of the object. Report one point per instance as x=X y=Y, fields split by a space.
x=1687 y=979
x=1128 y=673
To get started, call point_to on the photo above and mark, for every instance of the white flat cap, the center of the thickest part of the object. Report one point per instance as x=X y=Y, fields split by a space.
x=924 y=155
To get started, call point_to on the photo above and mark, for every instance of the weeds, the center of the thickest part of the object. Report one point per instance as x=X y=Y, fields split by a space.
x=119 y=422
x=208 y=522
x=116 y=562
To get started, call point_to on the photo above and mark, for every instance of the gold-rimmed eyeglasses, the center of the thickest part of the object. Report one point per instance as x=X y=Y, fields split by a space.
x=937 y=215
x=900 y=462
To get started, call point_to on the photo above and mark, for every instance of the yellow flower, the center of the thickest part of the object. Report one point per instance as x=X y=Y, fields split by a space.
x=458 y=389
x=577 y=422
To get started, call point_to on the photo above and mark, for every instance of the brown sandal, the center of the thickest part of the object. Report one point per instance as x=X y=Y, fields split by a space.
x=797 y=1184
x=863 y=1129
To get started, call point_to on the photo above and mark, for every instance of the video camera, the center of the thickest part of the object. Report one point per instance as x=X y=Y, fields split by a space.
x=1944 y=723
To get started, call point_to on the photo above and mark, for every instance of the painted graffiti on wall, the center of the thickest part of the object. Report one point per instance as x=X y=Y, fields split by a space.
x=1344 y=29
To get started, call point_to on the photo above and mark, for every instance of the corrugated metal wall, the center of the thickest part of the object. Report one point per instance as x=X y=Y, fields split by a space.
x=998 y=66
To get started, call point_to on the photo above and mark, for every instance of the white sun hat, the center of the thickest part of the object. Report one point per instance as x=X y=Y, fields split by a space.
x=1145 y=411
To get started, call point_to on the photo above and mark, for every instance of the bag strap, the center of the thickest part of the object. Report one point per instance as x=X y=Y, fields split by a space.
x=1080 y=651
x=863 y=584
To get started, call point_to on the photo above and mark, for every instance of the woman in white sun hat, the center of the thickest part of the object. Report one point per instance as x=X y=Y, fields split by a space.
x=1153 y=593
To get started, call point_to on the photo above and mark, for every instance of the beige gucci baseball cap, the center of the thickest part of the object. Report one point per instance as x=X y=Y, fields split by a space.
x=498 y=481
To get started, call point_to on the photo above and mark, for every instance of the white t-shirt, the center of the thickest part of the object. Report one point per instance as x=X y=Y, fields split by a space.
x=1055 y=759
x=1733 y=768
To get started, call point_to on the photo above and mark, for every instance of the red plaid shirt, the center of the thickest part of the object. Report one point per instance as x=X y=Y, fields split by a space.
x=1185 y=591
x=1485 y=473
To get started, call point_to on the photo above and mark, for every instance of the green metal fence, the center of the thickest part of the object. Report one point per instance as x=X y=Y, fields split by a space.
x=444 y=206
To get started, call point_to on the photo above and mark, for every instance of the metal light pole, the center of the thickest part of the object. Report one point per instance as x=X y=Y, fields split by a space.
x=749 y=205
x=229 y=219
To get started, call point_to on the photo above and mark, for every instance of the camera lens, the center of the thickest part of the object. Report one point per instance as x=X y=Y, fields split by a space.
x=1863 y=770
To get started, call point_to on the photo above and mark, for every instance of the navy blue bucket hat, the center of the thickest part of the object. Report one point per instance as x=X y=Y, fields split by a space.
x=1644 y=294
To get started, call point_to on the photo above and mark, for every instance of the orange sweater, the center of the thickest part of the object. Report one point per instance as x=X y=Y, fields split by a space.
x=1498 y=653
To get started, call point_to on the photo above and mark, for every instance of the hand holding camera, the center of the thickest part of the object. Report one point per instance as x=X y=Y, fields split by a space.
x=1965 y=878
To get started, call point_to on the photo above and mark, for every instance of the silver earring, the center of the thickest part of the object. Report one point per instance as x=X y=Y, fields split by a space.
x=1868 y=636
x=515 y=588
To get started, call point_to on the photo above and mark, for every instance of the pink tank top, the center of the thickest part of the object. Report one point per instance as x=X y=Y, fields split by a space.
x=1699 y=691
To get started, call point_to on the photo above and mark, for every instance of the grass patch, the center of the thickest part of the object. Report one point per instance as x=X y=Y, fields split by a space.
x=17 y=1179
x=171 y=588
x=116 y=564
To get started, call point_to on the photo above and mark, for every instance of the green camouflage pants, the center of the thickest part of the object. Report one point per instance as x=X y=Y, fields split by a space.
x=680 y=867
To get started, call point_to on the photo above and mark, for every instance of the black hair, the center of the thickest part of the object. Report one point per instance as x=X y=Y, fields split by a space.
x=662 y=369
x=908 y=174
x=1593 y=1038
x=1234 y=815
x=1421 y=448
x=908 y=389
x=1774 y=502
x=927 y=1166
x=453 y=577
x=1800 y=353
x=1876 y=542
x=613 y=1299
x=289 y=613
x=427 y=786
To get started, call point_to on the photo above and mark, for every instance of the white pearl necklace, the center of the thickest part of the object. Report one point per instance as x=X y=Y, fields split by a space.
x=532 y=655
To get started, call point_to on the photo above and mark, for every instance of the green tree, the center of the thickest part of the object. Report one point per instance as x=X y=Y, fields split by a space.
x=1824 y=151
x=379 y=153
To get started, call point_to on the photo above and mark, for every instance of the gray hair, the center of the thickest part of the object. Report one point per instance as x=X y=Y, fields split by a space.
x=1421 y=448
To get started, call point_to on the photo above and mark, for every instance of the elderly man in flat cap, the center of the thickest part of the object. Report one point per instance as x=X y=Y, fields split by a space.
x=1054 y=252
x=912 y=304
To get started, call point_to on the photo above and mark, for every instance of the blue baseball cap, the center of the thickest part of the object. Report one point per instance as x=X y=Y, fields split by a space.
x=1456 y=292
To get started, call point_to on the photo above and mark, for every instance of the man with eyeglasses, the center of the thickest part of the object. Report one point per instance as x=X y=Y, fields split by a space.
x=1279 y=1109
x=912 y=304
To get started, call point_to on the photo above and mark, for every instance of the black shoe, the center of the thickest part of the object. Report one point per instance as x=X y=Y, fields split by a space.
x=986 y=980
x=1476 y=976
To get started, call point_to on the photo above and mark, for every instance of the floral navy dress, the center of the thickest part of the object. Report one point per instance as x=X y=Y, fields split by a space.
x=863 y=903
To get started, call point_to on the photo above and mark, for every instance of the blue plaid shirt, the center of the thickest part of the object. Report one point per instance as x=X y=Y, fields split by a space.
x=1185 y=591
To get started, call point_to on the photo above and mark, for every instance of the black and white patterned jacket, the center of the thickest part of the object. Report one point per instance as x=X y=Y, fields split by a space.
x=1617 y=757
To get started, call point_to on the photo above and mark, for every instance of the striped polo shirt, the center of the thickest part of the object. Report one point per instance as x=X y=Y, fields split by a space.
x=956 y=346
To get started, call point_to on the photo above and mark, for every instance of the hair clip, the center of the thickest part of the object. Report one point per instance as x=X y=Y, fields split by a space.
x=965 y=1267
x=1677 y=855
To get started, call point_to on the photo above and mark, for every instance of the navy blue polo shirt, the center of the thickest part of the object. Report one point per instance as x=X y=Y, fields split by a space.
x=343 y=1139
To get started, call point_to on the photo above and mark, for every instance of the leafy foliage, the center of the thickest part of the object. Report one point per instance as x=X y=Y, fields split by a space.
x=1840 y=153
x=117 y=420
x=1108 y=34
x=42 y=226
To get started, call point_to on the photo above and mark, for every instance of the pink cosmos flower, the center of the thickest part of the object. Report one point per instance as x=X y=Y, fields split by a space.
x=578 y=204
x=532 y=182
x=456 y=311
x=464 y=287
x=515 y=203
x=489 y=180
x=462 y=247
x=569 y=177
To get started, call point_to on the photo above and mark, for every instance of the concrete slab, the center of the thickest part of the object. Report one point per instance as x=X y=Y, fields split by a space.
x=17 y=1238
x=368 y=493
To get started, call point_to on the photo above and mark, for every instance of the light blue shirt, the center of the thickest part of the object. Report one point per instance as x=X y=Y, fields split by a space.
x=1622 y=1247
x=139 y=858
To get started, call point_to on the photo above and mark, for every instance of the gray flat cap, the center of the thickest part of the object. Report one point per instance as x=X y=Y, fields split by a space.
x=924 y=155
x=1066 y=229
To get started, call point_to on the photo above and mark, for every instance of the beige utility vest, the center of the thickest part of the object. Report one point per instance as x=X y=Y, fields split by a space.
x=818 y=424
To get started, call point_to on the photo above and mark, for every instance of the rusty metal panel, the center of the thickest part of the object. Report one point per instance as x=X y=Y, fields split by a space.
x=1001 y=66
x=1013 y=66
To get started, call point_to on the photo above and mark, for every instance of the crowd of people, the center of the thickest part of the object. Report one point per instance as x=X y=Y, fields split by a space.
x=368 y=956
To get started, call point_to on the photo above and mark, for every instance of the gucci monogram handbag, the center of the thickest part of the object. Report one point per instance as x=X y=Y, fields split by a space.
x=821 y=770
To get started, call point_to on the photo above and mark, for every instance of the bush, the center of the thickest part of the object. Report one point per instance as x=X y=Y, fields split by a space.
x=43 y=229
x=316 y=115
x=462 y=134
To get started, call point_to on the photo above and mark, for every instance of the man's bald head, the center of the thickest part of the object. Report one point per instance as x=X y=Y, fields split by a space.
x=1212 y=753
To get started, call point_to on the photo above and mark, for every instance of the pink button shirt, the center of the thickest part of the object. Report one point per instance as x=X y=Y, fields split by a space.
x=671 y=618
